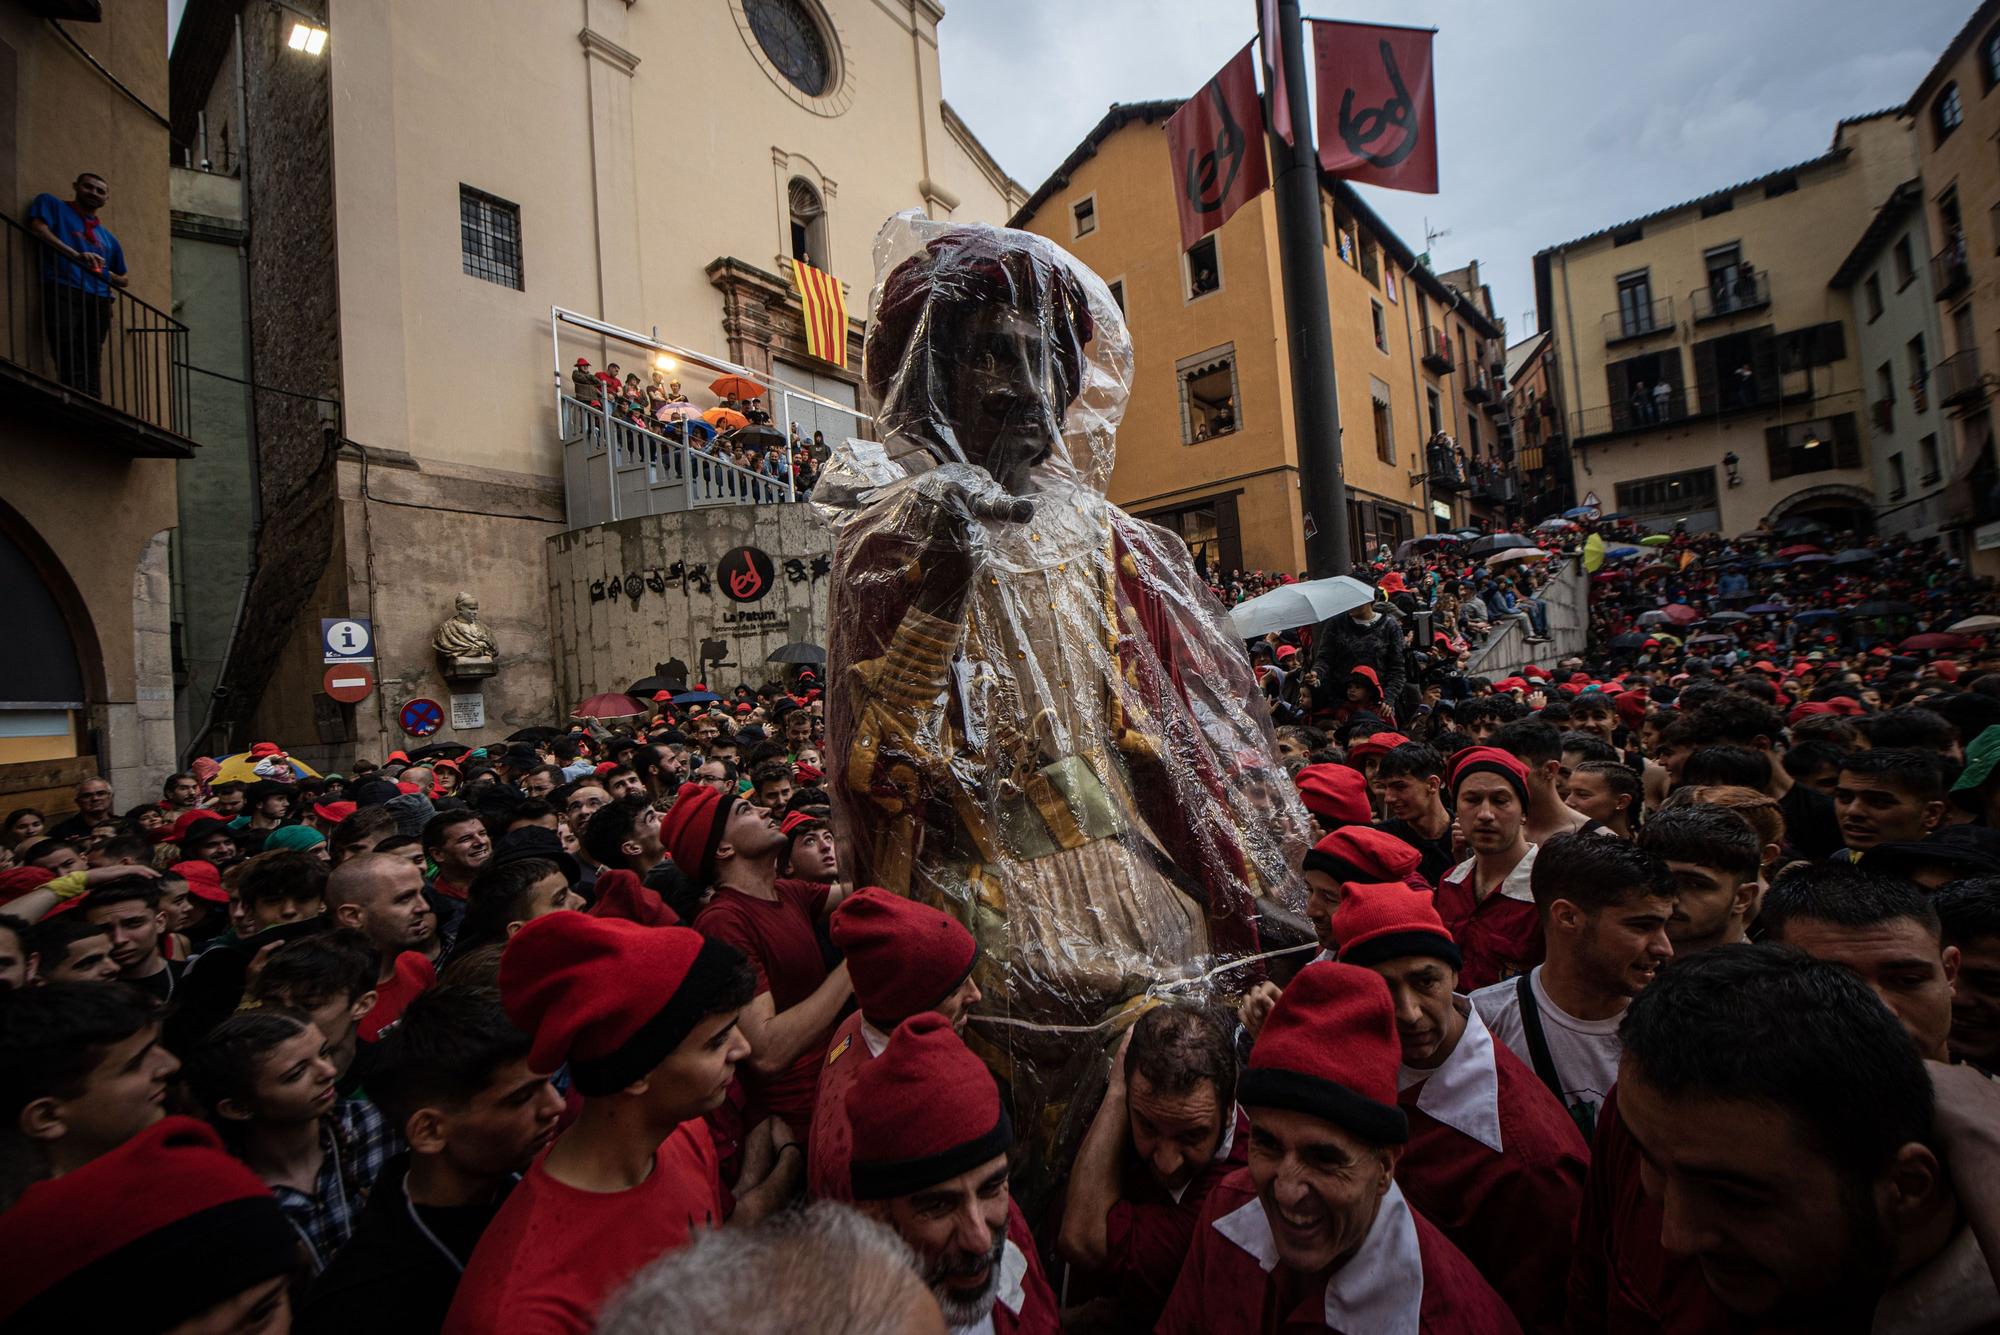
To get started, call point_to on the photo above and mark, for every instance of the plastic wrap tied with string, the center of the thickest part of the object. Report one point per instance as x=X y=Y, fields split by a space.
x=1043 y=722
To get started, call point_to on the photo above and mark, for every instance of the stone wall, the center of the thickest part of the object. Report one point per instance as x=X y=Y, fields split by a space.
x=681 y=566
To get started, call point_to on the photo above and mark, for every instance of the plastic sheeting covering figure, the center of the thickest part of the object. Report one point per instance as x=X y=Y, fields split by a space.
x=1043 y=722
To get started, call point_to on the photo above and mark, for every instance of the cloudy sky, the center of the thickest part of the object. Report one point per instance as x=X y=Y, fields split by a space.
x=1557 y=117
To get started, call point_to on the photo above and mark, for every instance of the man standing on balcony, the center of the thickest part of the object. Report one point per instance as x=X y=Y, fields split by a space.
x=82 y=263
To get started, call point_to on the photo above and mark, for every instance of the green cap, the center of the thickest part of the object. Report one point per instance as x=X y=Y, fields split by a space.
x=1980 y=758
x=293 y=839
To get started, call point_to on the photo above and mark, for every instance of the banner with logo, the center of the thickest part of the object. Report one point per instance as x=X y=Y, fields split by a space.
x=1218 y=155
x=1377 y=116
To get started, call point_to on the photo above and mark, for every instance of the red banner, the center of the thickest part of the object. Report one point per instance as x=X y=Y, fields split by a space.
x=1377 y=115
x=1217 y=150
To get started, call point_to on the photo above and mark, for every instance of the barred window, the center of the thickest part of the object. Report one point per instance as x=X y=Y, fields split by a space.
x=489 y=237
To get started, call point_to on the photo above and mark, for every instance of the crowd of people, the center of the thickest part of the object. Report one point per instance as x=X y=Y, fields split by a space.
x=737 y=431
x=1657 y=989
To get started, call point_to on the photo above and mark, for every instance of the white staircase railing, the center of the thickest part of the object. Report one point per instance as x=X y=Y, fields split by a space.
x=615 y=469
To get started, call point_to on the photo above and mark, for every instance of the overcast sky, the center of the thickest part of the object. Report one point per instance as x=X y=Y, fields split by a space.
x=1557 y=117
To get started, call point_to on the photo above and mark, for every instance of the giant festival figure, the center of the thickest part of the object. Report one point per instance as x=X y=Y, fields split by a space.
x=1044 y=722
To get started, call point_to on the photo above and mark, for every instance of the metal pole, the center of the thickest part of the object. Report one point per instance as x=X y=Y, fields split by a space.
x=1308 y=330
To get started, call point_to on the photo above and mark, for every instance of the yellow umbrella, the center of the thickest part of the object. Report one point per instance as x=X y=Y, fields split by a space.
x=242 y=768
x=725 y=419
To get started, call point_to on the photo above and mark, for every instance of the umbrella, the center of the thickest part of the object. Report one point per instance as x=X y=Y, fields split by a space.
x=1553 y=525
x=1934 y=640
x=1652 y=618
x=1709 y=639
x=697 y=698
x=1882 y=607
x=693 y=426
x=647 y=687
x=609 y=704
x=1631 y=641
x=1680 y=614
x=1467 y=534
x=240 y=768
x=1817 y=614
x=1773 y=565
x=1799 y=549
x=1855 y=556
x=761 y=436
x=440 y=750
x=1657 y=568
x=1517 y=554
x=537 y=733
x=798 y=651
x=676 y=408
x=1726 y=618
x=1580 y=512
x=1812 y=559
x=1655 y=540
x=1303 y=604
x=1973 y=625
x=1604 y=575
x=1498 y=542
x=1410 y=547
x=1798 y=526
x=736 y=387
x=725 y=418
x=1621 y=553
x=1768 y=609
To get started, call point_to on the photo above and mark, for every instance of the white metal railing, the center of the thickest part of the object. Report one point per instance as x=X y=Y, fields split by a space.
x=646 y=471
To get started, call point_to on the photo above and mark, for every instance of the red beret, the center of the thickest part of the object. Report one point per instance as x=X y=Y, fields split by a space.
x=1490 y=760
x=794 y=820
x=610 y=997
x=1337 y=794
x=925 y=1111
x=265 y=750
x=187 y=820
x=1363 y=853
x=905 y=957
x=1388 y=921
x=692 y=828
x=620 y=894
x=807 y=774
x=1375 y=744
x=204 y=880
x=179 y=1222
x=1329 y=1050
x=334 y=812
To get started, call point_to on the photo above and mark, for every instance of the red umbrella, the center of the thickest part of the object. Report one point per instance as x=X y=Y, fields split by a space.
x=611 y=704
x=1798 y=549
x=1935 y=639
x=1681 y=614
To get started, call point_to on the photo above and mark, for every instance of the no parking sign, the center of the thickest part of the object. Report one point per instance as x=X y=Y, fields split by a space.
x=420 y=717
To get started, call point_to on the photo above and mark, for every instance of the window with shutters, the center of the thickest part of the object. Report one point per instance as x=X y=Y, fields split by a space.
x=1634 y=386
x=1385 y=426
x=1381 y=321
x=1947 y=113
x=1669 y=494
x=1736 y=371
x=1083 y=216
x=1927 y=453
x=1906 y=266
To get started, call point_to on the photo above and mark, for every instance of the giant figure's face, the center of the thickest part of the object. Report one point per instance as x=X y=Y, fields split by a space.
x=1006 y=396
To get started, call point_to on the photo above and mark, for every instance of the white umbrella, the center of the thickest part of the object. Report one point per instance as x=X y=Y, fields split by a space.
x=1974 y=625
x=1304 y=604
x=1517 y=554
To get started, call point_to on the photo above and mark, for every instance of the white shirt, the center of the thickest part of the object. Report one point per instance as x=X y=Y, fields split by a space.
x=1379 y=1289
x=1463 y=1091
x=1585 y=1052
x=1009 y=1294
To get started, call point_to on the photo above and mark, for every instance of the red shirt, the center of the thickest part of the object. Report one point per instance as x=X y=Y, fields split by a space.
x=830 y=1157
x=1025 y=1305
x=553 y=1254
x=1234 y=1283
x=1500 y=935
x=1511 y=1209
x=1148 y=1232
x=778 y=938
x=414 y=973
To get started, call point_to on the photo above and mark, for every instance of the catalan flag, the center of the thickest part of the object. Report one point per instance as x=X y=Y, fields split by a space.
x=825 y=309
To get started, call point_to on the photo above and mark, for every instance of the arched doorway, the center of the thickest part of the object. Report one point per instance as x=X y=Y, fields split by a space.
x=1835 y=506
x=45 y=674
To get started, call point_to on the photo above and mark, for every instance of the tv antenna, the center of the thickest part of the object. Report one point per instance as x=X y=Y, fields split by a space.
x=1431 y=238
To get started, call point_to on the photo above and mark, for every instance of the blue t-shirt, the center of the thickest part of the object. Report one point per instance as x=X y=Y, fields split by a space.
x=79 y=233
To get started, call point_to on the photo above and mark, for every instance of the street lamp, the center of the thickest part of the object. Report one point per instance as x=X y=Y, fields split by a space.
x=308 y=31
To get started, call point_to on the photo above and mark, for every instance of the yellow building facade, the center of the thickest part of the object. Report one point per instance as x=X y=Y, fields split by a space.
x=1709 y=366
x=1209 y=447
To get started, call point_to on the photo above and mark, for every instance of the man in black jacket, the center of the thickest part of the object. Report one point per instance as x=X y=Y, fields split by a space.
x=1368 y=636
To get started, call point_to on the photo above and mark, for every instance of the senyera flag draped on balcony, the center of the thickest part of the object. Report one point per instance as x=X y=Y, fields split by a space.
x=1377 y=113
x=1217 y=147
x=825 y=308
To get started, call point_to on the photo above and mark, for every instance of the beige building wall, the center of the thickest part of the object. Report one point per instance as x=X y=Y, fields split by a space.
x=93 y=518
x=1794 y=227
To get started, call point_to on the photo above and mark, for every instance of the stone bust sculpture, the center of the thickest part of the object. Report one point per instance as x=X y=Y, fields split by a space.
x=461 y=636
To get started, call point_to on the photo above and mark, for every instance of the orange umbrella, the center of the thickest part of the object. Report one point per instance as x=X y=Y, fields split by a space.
x=736 y=387
x=725 y=418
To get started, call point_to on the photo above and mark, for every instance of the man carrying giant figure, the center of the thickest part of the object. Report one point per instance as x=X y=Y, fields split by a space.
x=1045 y=725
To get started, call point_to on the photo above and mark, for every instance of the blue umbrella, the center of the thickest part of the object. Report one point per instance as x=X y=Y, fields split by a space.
x=1579 y=511
x=1621 y=553
x=1776 y=563
x=1817 y=614
x=1811 y=559
x=1855 y=556
x=697 y=698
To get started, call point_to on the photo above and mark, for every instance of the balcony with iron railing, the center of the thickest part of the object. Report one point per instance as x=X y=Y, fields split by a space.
x=1730 y=293
x=1640 y=412
x=1437 y=350
x=1641 y=319
x=111 y=364
x=1445 y=469
x=1950 y=274
x=1476 y=384
x=1958 y=379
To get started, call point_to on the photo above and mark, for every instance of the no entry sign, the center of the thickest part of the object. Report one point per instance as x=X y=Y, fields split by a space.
x=348 y=683
x=420 y=717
